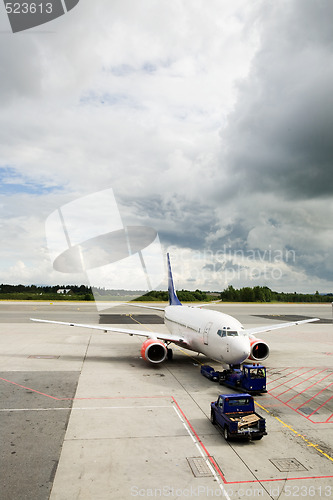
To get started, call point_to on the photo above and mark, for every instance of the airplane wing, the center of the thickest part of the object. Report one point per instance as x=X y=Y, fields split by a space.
x=107 y=328
x=268 y=328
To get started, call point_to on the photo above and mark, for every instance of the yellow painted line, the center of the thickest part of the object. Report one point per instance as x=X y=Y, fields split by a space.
x=189 y=355
x=138 y=322
x=309 y=443
x=306 y=440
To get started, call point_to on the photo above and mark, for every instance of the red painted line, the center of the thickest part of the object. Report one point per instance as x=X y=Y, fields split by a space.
x=307 y=388
x=321 y=405
x=302 y=414
x=322 y=390
x=301 y=368
x=279 y=479
x=210 y=458
x=29 y=389
x=80 y=399
x=218 y=470
x=289 y=380
x=295 y=409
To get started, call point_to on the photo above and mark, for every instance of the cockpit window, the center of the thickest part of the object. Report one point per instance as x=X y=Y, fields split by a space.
x=221 y=333
x=227 y=333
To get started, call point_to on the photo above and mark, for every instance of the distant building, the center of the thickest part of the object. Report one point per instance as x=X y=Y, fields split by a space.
x=64 y=291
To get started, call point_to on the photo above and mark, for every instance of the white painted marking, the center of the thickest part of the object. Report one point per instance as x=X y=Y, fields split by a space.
x=189 y=431
x=197 y=444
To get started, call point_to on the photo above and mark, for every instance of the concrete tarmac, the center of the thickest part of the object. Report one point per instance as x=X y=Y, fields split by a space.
x=84 y=417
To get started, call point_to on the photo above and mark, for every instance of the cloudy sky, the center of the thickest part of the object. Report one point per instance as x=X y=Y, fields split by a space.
x=211 y=121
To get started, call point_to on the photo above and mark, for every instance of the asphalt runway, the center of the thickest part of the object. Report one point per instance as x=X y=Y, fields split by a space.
x=84 y=417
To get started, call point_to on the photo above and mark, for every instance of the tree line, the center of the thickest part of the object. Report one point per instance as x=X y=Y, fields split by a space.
x=183 y=295
x=265 y=294
x=34 y=292
x=230 y=294
x=82 y=292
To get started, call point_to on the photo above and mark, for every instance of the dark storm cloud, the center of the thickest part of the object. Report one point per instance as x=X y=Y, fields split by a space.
x=178 y=220
x=279 y=137
x=275 y=183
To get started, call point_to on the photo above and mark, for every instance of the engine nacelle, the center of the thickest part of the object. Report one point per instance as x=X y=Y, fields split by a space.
x=259 y=349
x=154 y=351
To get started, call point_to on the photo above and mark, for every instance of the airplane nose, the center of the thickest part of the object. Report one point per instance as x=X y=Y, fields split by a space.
x=239 y=350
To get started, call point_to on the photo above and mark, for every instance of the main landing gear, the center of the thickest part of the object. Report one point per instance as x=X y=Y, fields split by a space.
x=169 y=354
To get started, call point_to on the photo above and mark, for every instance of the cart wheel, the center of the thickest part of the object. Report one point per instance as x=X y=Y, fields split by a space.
x=212 y=417
x=256 y=438
x=226 y=433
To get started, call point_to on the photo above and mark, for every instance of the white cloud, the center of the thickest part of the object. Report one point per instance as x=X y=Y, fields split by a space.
x=209 y=120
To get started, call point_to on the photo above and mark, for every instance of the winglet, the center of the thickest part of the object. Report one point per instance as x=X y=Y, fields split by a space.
x=173 y=299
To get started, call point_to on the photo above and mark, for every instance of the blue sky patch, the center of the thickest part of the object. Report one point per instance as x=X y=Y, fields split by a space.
x=116 y=99
x=13 y=182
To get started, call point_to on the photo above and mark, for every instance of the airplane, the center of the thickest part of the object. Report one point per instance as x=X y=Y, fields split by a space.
x=218 y=336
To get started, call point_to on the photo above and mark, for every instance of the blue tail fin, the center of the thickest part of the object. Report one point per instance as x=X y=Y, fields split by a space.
x=173 y=299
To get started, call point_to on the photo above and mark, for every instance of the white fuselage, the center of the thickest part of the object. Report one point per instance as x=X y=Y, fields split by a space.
x=217 y=335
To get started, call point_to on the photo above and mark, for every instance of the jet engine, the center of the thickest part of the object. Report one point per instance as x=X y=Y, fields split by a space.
x=259 y=349
x=154 y=351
